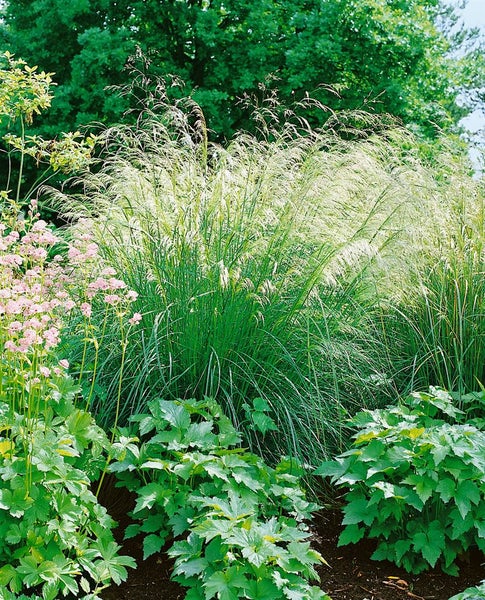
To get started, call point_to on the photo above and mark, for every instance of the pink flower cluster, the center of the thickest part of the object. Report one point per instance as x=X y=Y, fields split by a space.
x=97 y=285
x=76 y=256
x=37 y=295
x=136 y=318
x=104 y=285
x=28 y=321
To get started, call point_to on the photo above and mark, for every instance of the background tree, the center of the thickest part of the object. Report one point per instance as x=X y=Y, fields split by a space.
x=390 y=56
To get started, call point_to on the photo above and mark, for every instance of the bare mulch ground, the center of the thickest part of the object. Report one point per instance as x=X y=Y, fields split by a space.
x=352 y=575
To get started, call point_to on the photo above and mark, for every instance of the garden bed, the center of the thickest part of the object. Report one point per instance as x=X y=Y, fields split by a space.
x=352 y=575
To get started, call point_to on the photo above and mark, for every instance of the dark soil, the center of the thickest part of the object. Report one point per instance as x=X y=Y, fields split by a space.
x=351 y=574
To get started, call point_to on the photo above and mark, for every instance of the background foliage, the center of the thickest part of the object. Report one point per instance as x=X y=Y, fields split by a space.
x=387 y=55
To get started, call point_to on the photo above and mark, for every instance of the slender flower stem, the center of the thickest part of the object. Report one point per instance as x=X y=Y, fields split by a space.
x=124 y=344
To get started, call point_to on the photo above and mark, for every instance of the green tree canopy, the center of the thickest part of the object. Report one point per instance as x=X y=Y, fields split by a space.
x=394 y=56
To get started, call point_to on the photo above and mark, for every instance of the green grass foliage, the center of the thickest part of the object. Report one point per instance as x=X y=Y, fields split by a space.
x=440 y=325
x=295 y=277
x=261 y=267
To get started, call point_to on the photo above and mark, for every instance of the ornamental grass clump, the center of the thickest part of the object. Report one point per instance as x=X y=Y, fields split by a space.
x=259 y=267
x=437 y=333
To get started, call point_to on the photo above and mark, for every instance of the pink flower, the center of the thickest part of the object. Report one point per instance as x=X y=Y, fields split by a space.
x=30 y=335
x=45 y=371
x=108 y=272
x=116 y=284
x=99 y=284
x=95 y=286
x=131 y=296
x=24 y=345
x=69 y=305
x=39 y=237
x=48 y=238
x=35 y=253
x=74 y=254
x=14 y=327
x=9 y=345
x=13 y=307
x=29 y=339
x=32 y=308
x=91 y=250
x=136 y=318
x=11 y=260
x=64 y=363
x=111 y=299
x=39 y=225
x=51 y=337
x=35 y=323
x=86 y=309
x=54 y=303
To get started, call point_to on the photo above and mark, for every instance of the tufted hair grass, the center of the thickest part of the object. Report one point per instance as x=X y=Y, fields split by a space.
x=261 y=268
x=440 y=330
